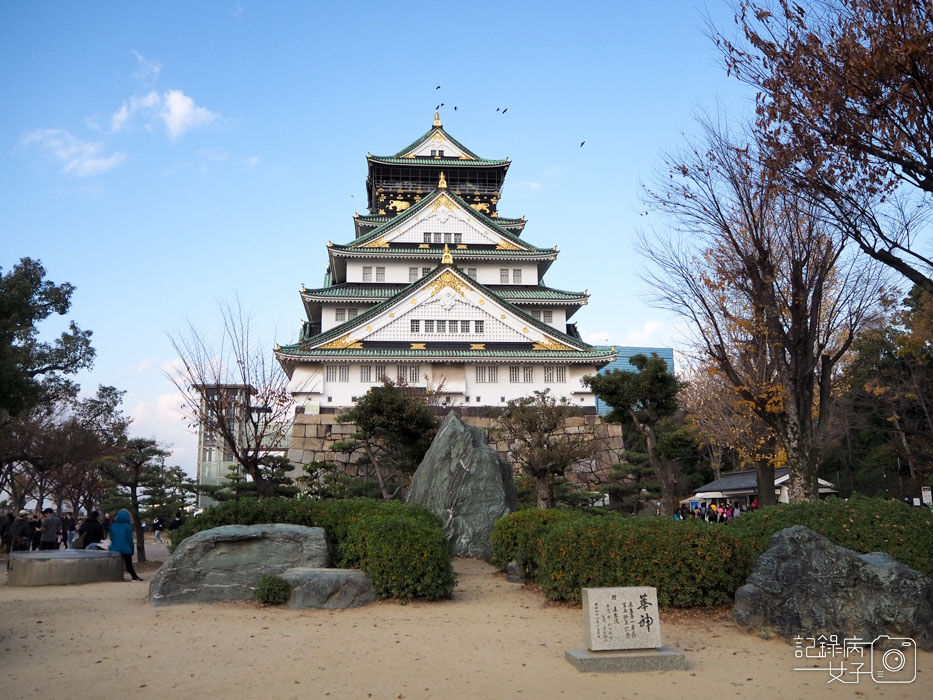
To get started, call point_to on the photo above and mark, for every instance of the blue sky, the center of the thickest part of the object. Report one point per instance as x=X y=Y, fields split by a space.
x=164 y=156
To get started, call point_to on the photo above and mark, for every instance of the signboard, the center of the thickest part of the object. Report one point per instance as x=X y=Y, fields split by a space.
x=621 y=618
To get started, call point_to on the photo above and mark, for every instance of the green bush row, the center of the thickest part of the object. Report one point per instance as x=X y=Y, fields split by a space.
x=694 y=563
x=690 y=564
x=401 y=547
x=859 y=523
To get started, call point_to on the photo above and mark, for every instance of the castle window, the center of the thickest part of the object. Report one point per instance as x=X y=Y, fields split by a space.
x=429 y=326
x=471 y=272
x=412 y=274
x=536 y=314
x=427 y=237
x=352 y=312
x=487 y=374
x=344 y=373
x=503 y=276
x=516 y=276
x=366 y=373
x=441 y=326
x=415 y=326
x=464 y=326
x=477 y=326
x=448 y=238
x=380 y=274
x=555 y=374
x=458 y=238
x=438 y=237
x=340 y=315
x=331 y=373
x=547 y=315
x=367 y=274
x=425 y=271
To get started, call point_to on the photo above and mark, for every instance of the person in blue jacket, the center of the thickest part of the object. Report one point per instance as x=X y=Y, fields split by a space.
x=121 y=540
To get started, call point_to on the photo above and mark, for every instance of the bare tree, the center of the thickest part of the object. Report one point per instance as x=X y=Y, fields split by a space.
x=764 y=282
x=236 y=392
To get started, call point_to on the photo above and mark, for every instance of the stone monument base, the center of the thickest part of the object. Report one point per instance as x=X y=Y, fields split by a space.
x=660 y=659
x=61 y=567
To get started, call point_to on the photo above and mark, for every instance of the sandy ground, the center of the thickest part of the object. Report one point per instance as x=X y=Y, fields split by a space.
x=494 y=639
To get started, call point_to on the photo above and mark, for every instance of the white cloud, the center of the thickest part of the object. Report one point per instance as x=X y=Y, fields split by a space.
x=529 y=185
x=252 y=162
x=177 y=112
x=181 y=114
x=147 y=72
x=651 y=334
x=161 y=418
x=79 y=158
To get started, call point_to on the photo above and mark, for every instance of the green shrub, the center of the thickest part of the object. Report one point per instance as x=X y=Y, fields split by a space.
x=518 y=536
x=690 y=563
x=404 y=557
x=413 y=551
x=272 y=590
x=859 y=523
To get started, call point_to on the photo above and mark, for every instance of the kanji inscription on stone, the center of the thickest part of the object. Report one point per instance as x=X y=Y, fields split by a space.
x=621 y=618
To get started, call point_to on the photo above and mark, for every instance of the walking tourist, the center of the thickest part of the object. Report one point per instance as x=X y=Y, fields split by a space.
x=91 y=531
x=157 y=527
x=121 y=540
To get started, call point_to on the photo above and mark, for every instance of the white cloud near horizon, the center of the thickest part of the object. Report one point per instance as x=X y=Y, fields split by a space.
x=651 y=334
x=176 y=110
x=78 y=158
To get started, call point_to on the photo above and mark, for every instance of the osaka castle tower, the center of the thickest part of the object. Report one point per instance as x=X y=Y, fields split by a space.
x=438 y=291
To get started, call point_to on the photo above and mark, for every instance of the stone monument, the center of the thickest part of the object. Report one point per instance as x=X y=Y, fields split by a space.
x=622 y=633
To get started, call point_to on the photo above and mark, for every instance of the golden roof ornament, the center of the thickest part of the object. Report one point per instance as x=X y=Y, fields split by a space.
x=447 y=258
x=442 y=183
x=437 y=118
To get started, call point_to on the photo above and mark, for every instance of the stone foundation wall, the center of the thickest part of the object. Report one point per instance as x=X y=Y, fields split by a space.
x=313 y=438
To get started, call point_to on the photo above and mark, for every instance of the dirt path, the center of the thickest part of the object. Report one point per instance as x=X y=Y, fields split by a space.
x=494 y=639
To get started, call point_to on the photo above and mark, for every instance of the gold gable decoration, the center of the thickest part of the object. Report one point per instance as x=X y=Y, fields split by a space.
x=505 y=244
x=344 y=343
x=449 y=279
x=442 y=201
x=550 y=344
x=442 y=183
x=447 y=258
x=437 y=118
x=381 y=242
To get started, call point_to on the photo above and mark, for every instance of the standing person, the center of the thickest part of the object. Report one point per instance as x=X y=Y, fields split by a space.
x=21 y=532
x=68 y=525
x=157 y=527
x=35 y=524
x=106 y=524
x=91 y=529
x=121 y=540
x=50 y=529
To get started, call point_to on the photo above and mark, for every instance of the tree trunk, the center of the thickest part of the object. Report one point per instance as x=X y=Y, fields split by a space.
x=764 y=478
x=386 y=496
x=663 y=470
x=138 y=527
x=544 y=491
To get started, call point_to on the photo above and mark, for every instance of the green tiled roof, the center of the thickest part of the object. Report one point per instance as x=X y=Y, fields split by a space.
x=425 y=136
x=356 y=290
x=468 y=253
x=445 y=162
x=592 y=355
x=411 y=211
x=377 y=309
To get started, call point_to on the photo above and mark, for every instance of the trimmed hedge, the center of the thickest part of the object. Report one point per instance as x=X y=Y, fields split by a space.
x=518 y=536
x=396 y=544
x=859 y=523
x=690 y=563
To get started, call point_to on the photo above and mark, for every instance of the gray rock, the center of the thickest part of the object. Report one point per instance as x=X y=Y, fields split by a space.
x=465 y=482
x=514 y=573
x=329 y=589
x=804 y=584
x=225 y=563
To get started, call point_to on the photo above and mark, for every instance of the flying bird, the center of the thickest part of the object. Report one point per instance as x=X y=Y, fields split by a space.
x=505 y=110
x=581 y=143
x=498 y=108
x=455 y=108
x=436 y=107
x=438 y=87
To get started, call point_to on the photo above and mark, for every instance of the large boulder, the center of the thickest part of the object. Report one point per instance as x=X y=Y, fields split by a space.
x=225 y=563
x=805 y=585
x=464 y=481
x=329 y=589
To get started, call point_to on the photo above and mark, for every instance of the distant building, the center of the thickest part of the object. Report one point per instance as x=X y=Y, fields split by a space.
x=742 y=487
x=215 y=459
x=621 y=363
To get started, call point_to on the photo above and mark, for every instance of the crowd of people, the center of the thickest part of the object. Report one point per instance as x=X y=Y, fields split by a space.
x=715 y=513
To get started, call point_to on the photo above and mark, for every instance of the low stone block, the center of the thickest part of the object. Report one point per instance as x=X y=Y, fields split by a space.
x=63 y=567
x=328 y=589
x=660 y=659
x=225 y=563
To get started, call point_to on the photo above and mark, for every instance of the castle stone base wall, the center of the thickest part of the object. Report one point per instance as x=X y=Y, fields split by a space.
x=313 y=438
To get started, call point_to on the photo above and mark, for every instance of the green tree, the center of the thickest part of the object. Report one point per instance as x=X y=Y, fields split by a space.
x=533 y=427
x=31 y=370
x=395 y=428
x=642 y=399
x=139 y=463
